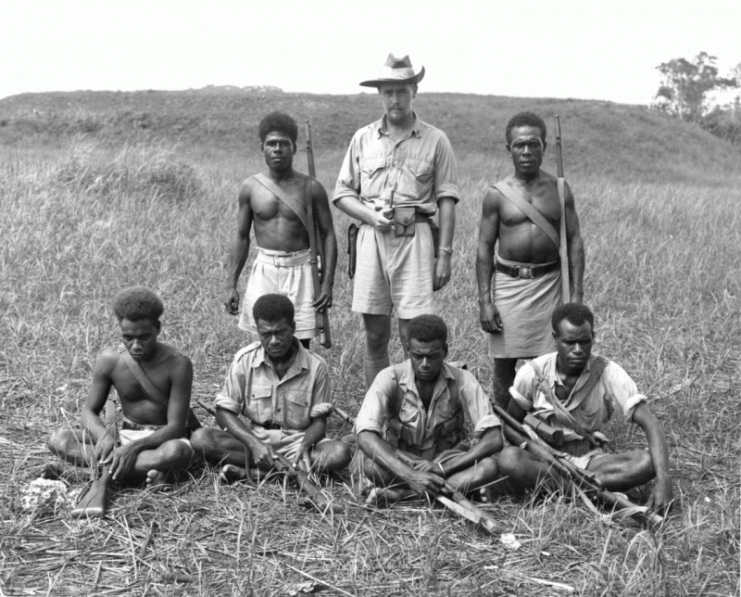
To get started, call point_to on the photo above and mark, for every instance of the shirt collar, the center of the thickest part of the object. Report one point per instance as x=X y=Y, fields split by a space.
x=408 y=381
x=382 y=129
x=300 y=359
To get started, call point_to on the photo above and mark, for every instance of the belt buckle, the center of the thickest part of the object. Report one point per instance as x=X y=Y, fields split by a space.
x=525 y=272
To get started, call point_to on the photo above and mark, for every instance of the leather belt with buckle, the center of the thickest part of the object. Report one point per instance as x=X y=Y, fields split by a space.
x=526 y=272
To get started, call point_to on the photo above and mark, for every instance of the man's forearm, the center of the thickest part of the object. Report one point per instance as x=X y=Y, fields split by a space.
x=489 y=444
x=355 y=208
x=237 y=259
x=232 y=424
x=314 y=432
x=381 y=452
x=484 y=278
x=446 y=206
x=330 y=258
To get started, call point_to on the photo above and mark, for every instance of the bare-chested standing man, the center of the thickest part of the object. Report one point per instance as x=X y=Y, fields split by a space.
x=526 y=287
x=282 y=264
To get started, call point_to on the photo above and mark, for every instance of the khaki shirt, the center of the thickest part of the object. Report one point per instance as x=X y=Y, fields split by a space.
x=252 y=388
x=421 y=426
x=615 y=390
x=421 y=165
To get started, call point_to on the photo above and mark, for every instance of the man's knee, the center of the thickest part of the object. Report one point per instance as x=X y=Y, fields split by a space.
x=510 y=460
x=377 y=331
x=488 y=469
x=60 y=441
x=176 y=451
x=203 y=440
x=335 y=455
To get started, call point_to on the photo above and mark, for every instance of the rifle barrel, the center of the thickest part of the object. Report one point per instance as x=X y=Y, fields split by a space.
x=559 y=150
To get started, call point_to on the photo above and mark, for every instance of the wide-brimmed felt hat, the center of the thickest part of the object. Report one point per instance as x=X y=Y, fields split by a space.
x=396 y=70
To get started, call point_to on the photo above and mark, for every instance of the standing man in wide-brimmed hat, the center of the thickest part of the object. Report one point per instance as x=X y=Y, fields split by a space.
x=398 y=172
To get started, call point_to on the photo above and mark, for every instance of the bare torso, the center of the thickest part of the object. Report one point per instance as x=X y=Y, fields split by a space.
x=136 y=404
x=277 y=227
x=519 y=238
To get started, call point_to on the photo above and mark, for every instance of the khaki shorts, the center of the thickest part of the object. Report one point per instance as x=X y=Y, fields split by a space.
x=289 y=274
x=394 y=272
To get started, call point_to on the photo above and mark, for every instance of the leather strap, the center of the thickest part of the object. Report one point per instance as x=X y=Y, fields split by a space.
x=529 y=210
x=526 y=272
x=291 y=202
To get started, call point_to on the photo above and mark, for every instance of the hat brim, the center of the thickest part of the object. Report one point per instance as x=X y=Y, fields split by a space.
x=410 y=80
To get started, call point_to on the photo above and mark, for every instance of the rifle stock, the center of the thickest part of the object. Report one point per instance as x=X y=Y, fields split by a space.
x=92 y=503
x=583 y=479
x=563 y=250
x=322 y=317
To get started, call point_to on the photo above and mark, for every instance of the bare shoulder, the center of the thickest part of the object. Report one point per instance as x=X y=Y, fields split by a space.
x=492 y=200
x=175 y=360
x=246 y=189
x=107 y=361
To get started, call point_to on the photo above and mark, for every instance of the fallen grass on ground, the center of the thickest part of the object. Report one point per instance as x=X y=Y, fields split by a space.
x=662 y=276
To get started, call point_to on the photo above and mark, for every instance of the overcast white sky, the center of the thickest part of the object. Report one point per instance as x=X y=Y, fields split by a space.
x=578 y=49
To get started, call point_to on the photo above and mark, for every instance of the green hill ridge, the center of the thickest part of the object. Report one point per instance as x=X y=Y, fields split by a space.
x=600 y=138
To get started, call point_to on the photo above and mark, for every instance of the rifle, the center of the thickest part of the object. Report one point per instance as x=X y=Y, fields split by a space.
x=563 y=250
x=322 y=317
x=452 y=498
x=317 y=498
x=582 y=479
x=92 y=503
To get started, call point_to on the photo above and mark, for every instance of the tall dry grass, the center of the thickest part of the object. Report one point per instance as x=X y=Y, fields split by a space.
x=662 y=276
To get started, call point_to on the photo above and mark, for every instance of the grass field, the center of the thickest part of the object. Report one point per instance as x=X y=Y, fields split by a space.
x=87 y=211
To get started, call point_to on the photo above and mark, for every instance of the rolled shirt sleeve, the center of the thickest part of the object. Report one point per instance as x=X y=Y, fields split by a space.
x=477 y=405
x=231 y=397
x=373 y=412
x=321 y=400
x=622 y=390
x=446 y=171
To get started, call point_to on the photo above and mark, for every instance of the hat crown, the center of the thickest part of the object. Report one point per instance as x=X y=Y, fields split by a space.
x=396 y=70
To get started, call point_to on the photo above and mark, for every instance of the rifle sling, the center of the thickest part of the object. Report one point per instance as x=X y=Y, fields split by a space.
x=291 y=202
x=529 y=210
x=152 y=390
x=563 y=416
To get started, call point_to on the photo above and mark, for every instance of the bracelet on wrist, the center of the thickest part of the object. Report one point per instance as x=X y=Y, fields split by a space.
x=447 y=250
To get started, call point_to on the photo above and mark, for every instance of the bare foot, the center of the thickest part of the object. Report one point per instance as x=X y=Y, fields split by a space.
x=155 y=478
x=385 y=496
x=231 y=473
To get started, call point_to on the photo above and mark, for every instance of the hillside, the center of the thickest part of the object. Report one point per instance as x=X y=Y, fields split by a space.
x=602 y=138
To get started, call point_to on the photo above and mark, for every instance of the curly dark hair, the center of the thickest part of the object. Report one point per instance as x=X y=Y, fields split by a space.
x=574 y=313
x=273 y=307
x=428 y=328
x=525 y=119
x=278 y=122
x=137 y=303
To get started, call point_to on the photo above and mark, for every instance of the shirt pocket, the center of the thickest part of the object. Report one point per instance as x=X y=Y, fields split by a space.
x=372 y=177
x=423 y=174
x=297 y=405
x=260 y=405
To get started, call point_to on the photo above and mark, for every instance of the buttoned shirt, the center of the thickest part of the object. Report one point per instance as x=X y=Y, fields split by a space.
x=422 y=424
x=420 y=168
x=614 y=390
x=253 y=389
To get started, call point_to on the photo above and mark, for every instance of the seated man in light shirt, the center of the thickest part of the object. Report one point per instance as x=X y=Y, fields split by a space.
x=575 y=391
x=282 y=391
x=410 y=427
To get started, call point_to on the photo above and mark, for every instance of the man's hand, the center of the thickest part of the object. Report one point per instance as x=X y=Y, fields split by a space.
x=661 y=497
x=124 y=459
x=262 y=455
x=104 y=448
x=442 y=271
x=491 y=322
x=429 y=466
x=303 y=457
x=422 y=482
x=324 y=301
x=232 y=302
x=381 y=222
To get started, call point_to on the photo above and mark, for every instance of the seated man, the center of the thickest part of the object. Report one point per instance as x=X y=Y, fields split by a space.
x=410 y=424
x=283 y=391
x=576 y=392
x=152 y=437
